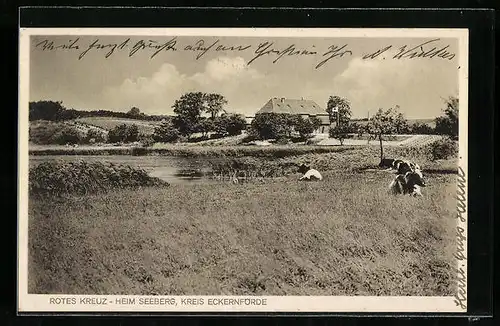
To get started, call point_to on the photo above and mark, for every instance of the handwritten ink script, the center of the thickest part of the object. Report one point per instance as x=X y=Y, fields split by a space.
x=266 y=50
x=461 y=238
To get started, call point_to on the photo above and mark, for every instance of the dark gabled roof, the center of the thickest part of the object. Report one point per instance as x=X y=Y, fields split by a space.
x=284 y=105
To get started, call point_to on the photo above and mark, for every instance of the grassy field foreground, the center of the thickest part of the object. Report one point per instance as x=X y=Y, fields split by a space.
x=342 y=236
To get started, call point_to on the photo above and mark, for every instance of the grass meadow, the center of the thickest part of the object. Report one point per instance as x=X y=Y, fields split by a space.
x=344 y=235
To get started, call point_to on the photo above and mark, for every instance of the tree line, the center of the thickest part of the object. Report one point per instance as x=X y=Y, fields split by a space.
x=55 y=111
x=200 y=113
x=204 y=114
x=189 y=119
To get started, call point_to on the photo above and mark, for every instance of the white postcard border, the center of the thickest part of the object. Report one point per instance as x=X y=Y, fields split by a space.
x=42 y=303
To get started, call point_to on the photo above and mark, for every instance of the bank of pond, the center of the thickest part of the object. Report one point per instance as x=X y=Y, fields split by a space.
x=275 y=151
x=227 y=165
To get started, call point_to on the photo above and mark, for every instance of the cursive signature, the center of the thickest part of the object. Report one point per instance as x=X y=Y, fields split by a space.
x=423 y=50
x=461 y=238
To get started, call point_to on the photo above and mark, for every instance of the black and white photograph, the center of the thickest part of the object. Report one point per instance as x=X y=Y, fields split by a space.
x=243 y=169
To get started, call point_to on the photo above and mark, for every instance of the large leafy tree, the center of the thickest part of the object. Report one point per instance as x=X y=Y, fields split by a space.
x=188 y=110
x=448 y=123
x=339 y=107
x=214 y=104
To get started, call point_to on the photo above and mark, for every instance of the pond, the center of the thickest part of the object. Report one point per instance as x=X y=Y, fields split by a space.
x=168 y=168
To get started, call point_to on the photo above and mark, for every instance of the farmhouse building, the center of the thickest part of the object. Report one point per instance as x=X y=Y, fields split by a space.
x=305 y=108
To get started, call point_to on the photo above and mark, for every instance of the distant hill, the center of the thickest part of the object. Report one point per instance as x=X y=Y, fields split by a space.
x=108 y=123
x=430 y=122
x=55 y=111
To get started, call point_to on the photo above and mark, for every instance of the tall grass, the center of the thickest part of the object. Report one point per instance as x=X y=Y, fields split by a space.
x=342 y=236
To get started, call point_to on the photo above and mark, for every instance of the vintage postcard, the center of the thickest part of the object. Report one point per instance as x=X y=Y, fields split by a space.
x=242 y=170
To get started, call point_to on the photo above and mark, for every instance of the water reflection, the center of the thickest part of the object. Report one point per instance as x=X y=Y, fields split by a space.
x=171 y=169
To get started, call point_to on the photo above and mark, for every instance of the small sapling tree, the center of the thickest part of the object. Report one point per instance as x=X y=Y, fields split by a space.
x=383 y=124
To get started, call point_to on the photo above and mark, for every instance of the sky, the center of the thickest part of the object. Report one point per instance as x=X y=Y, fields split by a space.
x=153 y=83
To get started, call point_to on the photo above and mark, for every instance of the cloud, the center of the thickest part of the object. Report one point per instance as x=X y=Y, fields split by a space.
x=417 y=86
x=148 y=93
x=229 y=76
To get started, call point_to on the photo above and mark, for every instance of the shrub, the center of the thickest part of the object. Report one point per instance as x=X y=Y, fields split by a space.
x=448 y=123
x=67 y=135
x=139 y=151
x=339 y=132
x=47 y=133
x=215 y=136
x=124 y=133
x=205 y=126
x=98 y=136
x=251 y=135
x=132 y=133
x=313 y=141
x=305 y=127
x=182 y=139
x=166 y=132
x=80 y=177
x=421 y=129
x=283 y=141
x=229 y=124
x=146 y=140
x=42 y=132
x=198 y=139
x=272 y=125
x=443 y=148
